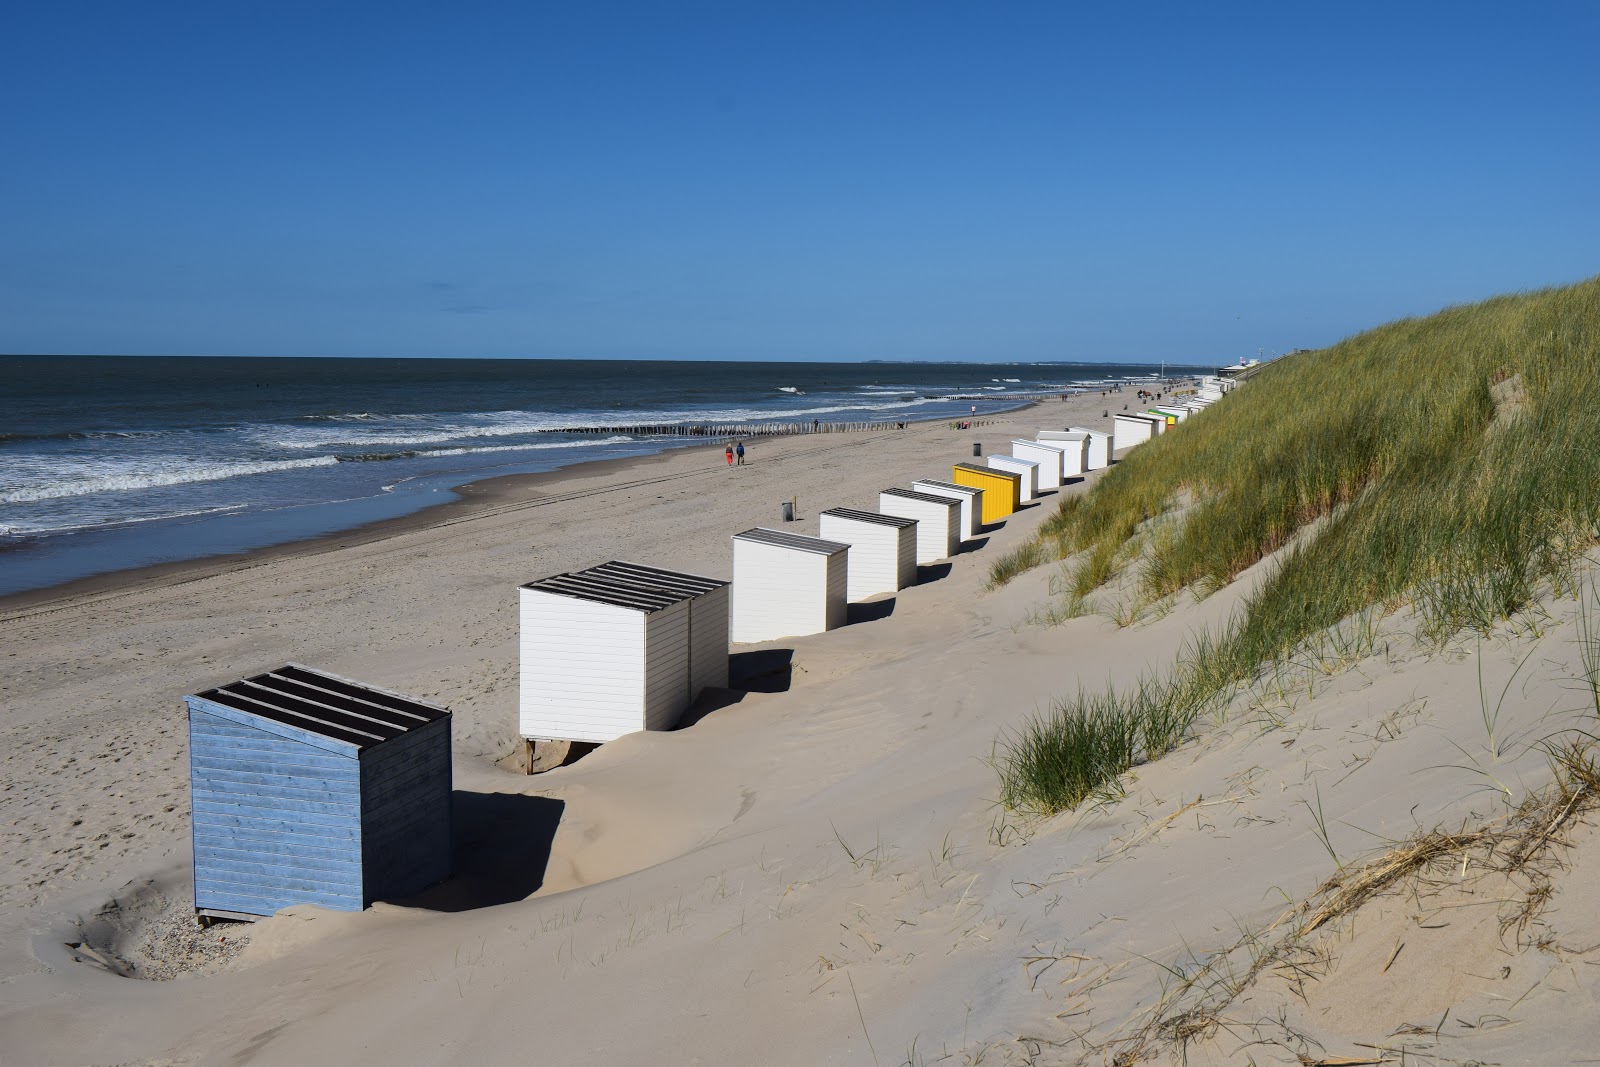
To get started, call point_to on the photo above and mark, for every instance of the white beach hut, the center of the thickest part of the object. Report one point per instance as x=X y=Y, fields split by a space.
x=883 y=549
x=1051 y=460
x=938 y=520
x=787 y=585
x=1128 y=430
x=1074 y=446
x=1097 y=449
x=968 y=497
x=1027 y=468
x=618 y=648
x=1177 y=412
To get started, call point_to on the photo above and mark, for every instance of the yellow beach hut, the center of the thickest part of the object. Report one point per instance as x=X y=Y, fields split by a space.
x=1002 y=490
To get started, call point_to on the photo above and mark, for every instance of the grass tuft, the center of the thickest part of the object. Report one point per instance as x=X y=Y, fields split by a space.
x=1030 y=555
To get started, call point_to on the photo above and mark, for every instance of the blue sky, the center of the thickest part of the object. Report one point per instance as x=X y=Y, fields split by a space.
x=783 y=181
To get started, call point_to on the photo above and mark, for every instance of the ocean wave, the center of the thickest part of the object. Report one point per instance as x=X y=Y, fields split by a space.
x=527 y=423
x=426 y=453
x=26 y=529
x=119 y=481
x=89 y=435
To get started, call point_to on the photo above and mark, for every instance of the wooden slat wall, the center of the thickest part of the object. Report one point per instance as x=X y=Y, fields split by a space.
x=836 y=601
x=1127 y=431
x=938 y=525
x=784 y=592
x=583 y=669
x=1050 y=460
x=666 y=667
x=971 y=507
x=877 y=559
x=708 y=641
x=406 y=802
x=276 y=821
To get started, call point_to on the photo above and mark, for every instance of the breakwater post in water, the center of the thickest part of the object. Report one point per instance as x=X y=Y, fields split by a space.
x=747 y=429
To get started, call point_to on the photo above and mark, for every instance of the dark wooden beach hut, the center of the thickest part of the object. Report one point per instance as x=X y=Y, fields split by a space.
x=309 y=788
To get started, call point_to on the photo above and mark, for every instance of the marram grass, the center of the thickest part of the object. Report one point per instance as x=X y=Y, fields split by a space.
x=1450 y=462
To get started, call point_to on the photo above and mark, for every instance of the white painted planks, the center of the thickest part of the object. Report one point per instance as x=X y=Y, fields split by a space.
x=787 y=585
x=938 y=520
x=883 y=549
x=970 y=499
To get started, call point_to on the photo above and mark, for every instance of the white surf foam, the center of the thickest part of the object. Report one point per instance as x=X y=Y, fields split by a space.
x=122 y=477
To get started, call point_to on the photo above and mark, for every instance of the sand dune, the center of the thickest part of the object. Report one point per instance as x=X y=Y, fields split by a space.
x=813 y=870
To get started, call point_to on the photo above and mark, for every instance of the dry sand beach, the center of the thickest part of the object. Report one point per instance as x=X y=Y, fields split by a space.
x=813 y=868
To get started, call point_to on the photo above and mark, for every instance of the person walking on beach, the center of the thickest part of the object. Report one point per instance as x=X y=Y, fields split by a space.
x=729 y=453
x=739 y=451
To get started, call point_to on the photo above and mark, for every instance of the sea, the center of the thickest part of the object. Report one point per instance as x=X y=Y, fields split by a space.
x=113 y=462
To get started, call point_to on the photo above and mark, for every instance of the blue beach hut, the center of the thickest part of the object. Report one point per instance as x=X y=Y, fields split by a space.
x=309 y=788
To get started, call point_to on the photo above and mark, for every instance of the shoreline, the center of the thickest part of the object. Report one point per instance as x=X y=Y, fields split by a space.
x=470 y=498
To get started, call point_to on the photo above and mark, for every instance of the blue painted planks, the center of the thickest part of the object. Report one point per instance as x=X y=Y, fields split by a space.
x=267 y=726
x=282 y=816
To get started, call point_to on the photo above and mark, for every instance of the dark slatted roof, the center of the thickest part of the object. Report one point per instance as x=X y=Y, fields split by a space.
x=620 y=594
x=926 y=498
x=628 y=585
x=801 y=542
x=996 y=471
x=326 y=704
x=968 y=489
x=869 y=516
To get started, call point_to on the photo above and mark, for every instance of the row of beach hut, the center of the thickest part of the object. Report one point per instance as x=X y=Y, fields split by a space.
x=313 y=788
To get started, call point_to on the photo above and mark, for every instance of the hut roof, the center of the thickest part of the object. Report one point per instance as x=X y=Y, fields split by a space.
x=656 y=578
x=869 y=516
x=994 y=472
x=801 y=542
x=621 y=594
x=926 y=498
x=326 y=705
x=967 y=489
x=627 y=585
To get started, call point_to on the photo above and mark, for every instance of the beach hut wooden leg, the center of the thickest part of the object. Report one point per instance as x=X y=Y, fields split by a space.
x=541 y=756
x=527 y=755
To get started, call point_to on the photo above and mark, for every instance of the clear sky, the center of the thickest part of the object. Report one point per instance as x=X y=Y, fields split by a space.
x=780 y=180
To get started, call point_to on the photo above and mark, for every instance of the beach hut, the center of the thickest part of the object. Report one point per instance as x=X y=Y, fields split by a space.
x=883 y=549
x=1129 y=430
x=708 y=616
x=1073 y=446
x=1174 y=414
x=618 y=648
x=969 y=499
x=1002 y=490
x=938 y=520
x=787 y=585
x=1051 y=460
x=1167 y=418
x=1097 y=449
x=1027 y=468
x=309 y=788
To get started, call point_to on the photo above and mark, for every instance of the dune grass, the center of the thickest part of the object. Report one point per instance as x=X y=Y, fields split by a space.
x=1450 y=462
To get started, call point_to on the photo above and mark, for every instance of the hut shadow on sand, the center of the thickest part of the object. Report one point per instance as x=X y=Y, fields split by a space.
x=869 y=611
x=502 y=847
x=761 y=670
